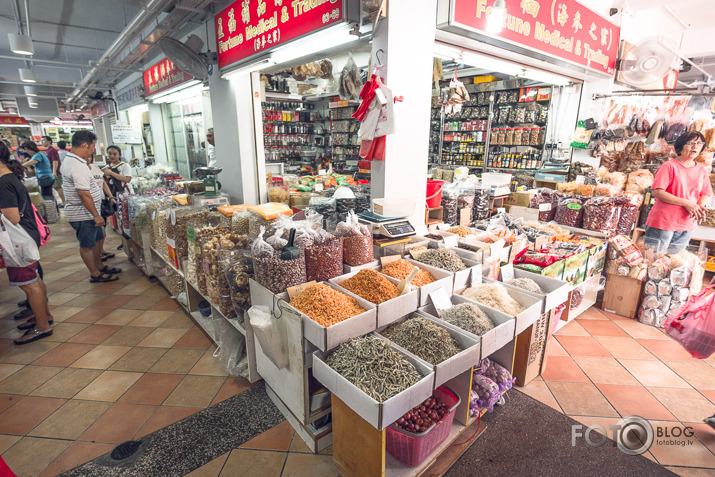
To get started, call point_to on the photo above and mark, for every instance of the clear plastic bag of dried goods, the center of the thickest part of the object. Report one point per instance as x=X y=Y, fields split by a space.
x=628 y=215
x=240 y=221
x=569 y=212
x=465 y=200
x=276 y=274
x=260 y=247
x=497 y=373
x=485 y=393
x=276 y=240
x=357 y=241
x=481 y=204
x=324 y=259
x=450 y=197
x=546 y=201
x=601 y=215
x=237 y=269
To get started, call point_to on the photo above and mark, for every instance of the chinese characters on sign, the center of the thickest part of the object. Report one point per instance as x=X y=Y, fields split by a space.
x=13 y=120
x=250 y=27
x=564 y=29
x=163 y=76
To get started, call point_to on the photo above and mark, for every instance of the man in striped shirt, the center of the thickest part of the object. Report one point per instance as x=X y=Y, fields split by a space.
x=83 y=203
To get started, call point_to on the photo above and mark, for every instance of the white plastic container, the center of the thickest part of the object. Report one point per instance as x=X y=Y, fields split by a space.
x=495 y=179
x=393 y=207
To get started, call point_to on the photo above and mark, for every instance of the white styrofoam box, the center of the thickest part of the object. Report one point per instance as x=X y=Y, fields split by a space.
x=350 y=269
x=379 y=415
x=477 y=257
x=531 y=303
x=556 y=291
x=390 y=310
x=443 y=278
x=457 y=364
x=494 y=339
x=327 y=338
x=461 y=278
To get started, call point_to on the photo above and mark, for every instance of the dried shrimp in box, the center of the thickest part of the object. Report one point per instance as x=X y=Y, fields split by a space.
x=325 y=305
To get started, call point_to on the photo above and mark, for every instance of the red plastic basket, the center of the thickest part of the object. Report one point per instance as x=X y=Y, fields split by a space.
x=411 y=448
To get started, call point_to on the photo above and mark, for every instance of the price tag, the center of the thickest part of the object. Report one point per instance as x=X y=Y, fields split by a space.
x=580 y=180
x=319 y=188
x=477 y=276
x=153 y=214
x=451 y=241
x=443 y=227
x=507 y=272
x=545 y=207
x=322 y=172
x=417 y=251
x=190 y=234
x=172 y=217
x=298 y=289
x=441 y=301
x=389 y=259
x=501 y=210
x=540 y=242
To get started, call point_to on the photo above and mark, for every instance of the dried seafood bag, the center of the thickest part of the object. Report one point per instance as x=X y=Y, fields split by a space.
x=176 y=222
x=450 y=198
x=271 y=271
x=202 y=236
x=634 y=158
x=639 y=181
x=325 y=206
x=278 y=194
x=569 y=212
x=465 y=200
x=350 y=83
x=324 y=258
x=357 y=241
x=237 y=268
x=207 y=275
x=601 y=215
x=158 y=231
x=231 y=247
x=546 y=201
x=141 y=218
x=481 y=204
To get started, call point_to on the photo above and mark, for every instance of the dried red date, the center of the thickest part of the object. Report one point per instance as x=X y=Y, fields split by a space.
x=601 y=215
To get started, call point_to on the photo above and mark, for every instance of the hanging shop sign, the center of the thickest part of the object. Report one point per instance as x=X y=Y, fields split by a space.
x=126 y=133
x=131 y=95
x=162 y=76
x=249 y=27
x=562 y=29
x=13 y=120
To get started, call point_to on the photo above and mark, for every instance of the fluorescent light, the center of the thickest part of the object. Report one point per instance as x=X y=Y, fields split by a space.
x=169 y=91
x=27 y=75
x=545 y=77
x=476 y=60
x=184 y=93
x=319 y=41
x=30 y=91
x=248 y=68
x=32 y=103
x=495 y=22
x=21 y=44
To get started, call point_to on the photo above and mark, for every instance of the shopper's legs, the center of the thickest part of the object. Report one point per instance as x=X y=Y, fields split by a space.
x=26 y=278
x=87 y=255
x=86 y=232
x=679 y=241
x=60 y=193
x=97 y=251
x=657 y=239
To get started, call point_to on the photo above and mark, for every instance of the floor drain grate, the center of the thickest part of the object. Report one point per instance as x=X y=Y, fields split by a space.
x=126 y=449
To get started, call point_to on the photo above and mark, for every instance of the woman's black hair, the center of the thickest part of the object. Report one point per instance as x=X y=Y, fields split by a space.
x=115 y=147
x=30 y=145
x=62 y=144
x=14 y=166
x=686 y=138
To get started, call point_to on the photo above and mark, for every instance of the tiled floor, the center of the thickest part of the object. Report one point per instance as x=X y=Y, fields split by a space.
x=124 y=361
x=603 y=366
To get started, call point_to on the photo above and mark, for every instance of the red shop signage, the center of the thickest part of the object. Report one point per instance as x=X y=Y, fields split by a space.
x=13 y=120
x=563 y=29
x=162 y=76
x=249 y=27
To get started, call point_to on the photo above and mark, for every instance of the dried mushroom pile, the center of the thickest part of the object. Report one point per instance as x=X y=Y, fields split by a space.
x=326 y=305
x=374 y=367
x=423 y=338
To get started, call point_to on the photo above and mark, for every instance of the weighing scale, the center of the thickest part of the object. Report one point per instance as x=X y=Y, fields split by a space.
x=390 y=227
x=209 y=176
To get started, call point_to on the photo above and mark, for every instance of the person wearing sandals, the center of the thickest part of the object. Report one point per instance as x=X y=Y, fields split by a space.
x=16 y=206
x=106 y=194
x=83 y=204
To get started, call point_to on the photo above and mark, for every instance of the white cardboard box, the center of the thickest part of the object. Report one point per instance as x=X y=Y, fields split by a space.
x=350 y=269
x=390 y=310
x=532 y=305
x=492 y=340
x=457 y=364
x=556 y=291
x=444 y=280
x=379 y=415
x=327 y=338
x=461 y=278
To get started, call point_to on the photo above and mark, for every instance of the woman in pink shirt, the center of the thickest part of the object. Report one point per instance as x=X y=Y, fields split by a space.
x=681 y=190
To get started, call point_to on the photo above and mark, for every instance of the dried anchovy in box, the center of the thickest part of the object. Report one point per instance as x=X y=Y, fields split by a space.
x=468 y=317
x=423 y=338
x=374 y=367
x=569 y=212
x=443 y=258
x=601 y=215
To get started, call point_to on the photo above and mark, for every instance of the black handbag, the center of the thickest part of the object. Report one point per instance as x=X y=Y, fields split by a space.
x=45 y=181
x=107 y=208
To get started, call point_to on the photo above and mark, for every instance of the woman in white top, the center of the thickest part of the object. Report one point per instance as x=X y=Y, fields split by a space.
x=118 y=174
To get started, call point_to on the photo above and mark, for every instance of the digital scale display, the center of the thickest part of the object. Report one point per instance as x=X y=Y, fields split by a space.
x=399 y=228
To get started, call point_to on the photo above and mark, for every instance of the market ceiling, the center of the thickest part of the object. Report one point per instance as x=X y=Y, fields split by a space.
x=70 y=36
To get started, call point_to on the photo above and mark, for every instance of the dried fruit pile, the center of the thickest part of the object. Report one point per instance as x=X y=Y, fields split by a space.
x=420 y=418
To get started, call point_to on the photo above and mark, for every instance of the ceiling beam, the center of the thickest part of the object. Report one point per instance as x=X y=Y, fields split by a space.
x=68 y=64
x=66 y=25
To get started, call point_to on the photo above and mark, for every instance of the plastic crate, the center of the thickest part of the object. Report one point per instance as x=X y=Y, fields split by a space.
x=411 y=448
